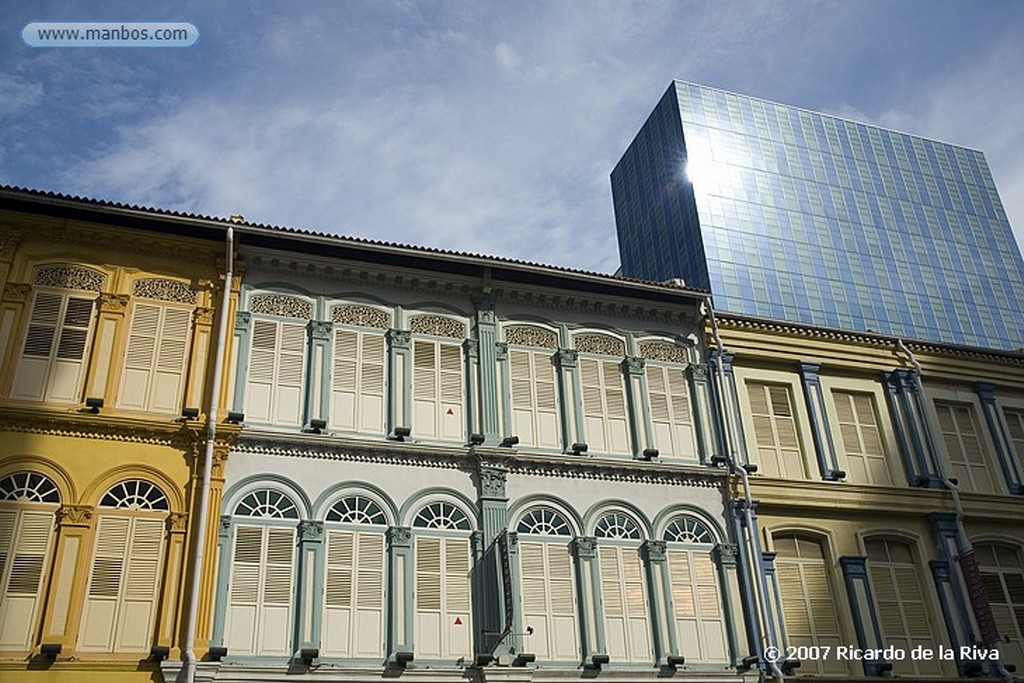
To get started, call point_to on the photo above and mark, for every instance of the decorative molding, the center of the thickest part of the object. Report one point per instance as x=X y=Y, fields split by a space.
x=492 y=481
x=655 y=550
x=224 y=529
x=320 y=330
x=164 y=289
x=566 y=358
x=437 y=326
x=360 y=316
x=311 y=531
x=725 y=554
x=633 y=365
x=663 y=351
x=113 y=303
x=531 y=335
x=698 y=372
x=400 y=536
x=602 y=344
x=281 y=305
x=70 y=277
x=400 y=339
x=92 y=427
x=74 y=515
x=202 y=316
x=585 y=547
x=177 y=522
x=9 y=241
x=17 y=292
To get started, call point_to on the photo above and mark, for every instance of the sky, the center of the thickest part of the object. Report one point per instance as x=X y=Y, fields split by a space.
x=488 y=127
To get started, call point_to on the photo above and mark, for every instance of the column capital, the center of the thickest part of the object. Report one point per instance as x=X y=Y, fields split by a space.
x=75 y=515
x=633 y=365
x=202 y=316
x=566 y=358
x=655 y=550
x=320 y=330
x=697 y=372
x=725 y=554
x=585 y=547
x=492 y=480
x=400 y=537
x=177 y=522
x=986 y=391
x=242 y=321
x=399 y=339
x=113 y=303
x=17 y=292
x=311 y=531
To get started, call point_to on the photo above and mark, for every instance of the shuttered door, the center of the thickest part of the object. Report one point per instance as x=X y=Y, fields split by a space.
x=357 y=381
x=866 y=461
x=778 y=445
x=154 y=367
x=276 y=364
x=604 y=406
x=700 y=622
x=354 y=601
x=1015 y=422
x=900 y=600
x=120 y=605
x=534 y=402
x=808 y=605
x=259 y=616
x=25 y=538
x=437 y=389
x=671 y=417
x=549 y=600
x=963 y=445
x=52 y=359
x=626 y=626
x=1003 y=578
x=443 y=628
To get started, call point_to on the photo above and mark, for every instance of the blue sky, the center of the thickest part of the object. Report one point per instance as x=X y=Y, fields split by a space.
x=479 y=126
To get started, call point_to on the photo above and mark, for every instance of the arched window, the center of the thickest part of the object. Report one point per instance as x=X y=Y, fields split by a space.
x=127 y=564
x=1002 y=573
x=533 y=385
x=442 y=594
x=696 y=595
x=359 y=368
x=809 y=607
x=623 y=589
x=548 y=585
x=354 y=585
x=27 y=504
x=902 y=602
x=262 y=583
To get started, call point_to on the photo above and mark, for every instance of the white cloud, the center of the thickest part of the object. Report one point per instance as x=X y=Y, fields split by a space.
x=507 y=57
x=17 y=95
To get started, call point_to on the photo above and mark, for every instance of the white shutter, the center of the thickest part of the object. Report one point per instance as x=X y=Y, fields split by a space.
x=259 y=614
x=534 y=398
x=437 y=390
x=357 y=382
x=778 y=445
x=604 y=406
x=353 y=624
x=808 y=605
x=549 y=600
x=626 y=626
x=963 y=445
x=866 y=461
x=442 y=598
x=25 y=539
x=700 y=622
x=120 y=605
x=276 y=368
x=52 y=359
x=671 y=416
x=154 y=366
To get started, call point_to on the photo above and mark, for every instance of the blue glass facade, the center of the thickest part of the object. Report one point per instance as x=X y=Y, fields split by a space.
x=799 y=216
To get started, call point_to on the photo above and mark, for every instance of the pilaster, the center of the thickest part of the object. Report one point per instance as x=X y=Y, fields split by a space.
x=724 y=386
x=399 y=379
x=952 y=553
x=202 y=325
x=748 y=599
x=905 y=408
x=659 y=591
x=589 y=586
x=504 y=372
x=223 y=531
x=569 y=394
x=487 y=370
x=494 y=520
x=401 y=575
x=169 y=613
x=641 y=431
x=865 y=612
x=999 y=432
x=318 y=392
x=243 y=330
x=12 y=306
x=724 y=557
x=821 y=431
x=702 y=405
x=471 y=362
x=63 y=603
x=110 y=319
x=776 y=624
x=310 y=582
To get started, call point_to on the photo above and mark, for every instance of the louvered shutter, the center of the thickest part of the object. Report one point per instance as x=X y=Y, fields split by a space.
x=604 y=406
x=154 y=368
x=52 y=359
x=443 y=602
x=669 y=399
x=808 y=606
x=858 y=426
x=260 y=591
x=276 y=369
x=549 y=600
x=534 y=398
x=775 y=432
x=357 y=382
x=120 y=606
x=626 y=626
x=700 y=622
x=437 y=390
x=25 y=539
x=963 y=445
x=354 y=602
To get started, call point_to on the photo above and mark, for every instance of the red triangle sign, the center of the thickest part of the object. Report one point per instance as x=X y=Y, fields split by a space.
x=450 y=412
x=458 y=621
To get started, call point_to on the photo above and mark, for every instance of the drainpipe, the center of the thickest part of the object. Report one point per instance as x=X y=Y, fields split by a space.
x=198 y=544
x=753 y=542
x=954 y=490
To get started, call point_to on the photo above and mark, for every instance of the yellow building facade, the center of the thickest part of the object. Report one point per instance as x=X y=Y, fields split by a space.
x=106 y=336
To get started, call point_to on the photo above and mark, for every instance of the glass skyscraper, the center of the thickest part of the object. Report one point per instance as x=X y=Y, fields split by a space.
x=794 y=215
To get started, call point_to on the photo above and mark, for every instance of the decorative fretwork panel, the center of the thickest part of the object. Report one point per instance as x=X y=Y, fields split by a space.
x=361 y=316
x=437 y=326
x=281 y=305
x=70 y=277
x=602 y=344
x=164 y=290
x=531 y=335
x=663 y=351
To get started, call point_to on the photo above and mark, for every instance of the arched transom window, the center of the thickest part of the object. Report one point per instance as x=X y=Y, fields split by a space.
x=617 y=525
x=357 y=510
x=686 y=529
x=267 y=503
x=442 y=515
x=135 y=494
x=544 y=521
x=28 y=487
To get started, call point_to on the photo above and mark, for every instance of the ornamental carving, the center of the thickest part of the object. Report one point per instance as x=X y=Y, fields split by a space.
x=70 y=277
x=8 y=243
x=164 y=290
x=320 y=330
x=400 y=536
x=663 y=351
x=177 y=522
x=531 y=335
x=224 y=530
x=602 y=344
x=492 y=482
x=113 y=303
x=634 y=365
x=74 y=514
x=566 y=358
x=437 y=326
x=361 y=316
x=16 y=292
x=311 y=530
x=399 y=338
x=585 y=546
x=655 y=550
x=202 y=316
x=282 y=305
x=725 y=554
